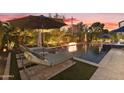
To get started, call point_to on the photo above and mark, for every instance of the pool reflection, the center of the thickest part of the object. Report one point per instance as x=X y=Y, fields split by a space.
x=91 y=52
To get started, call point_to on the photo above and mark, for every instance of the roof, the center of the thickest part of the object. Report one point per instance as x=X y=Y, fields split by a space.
x=121 y=29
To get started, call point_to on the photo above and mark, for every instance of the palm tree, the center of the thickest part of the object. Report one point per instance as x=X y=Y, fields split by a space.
x=6 y=28
x=80 y=31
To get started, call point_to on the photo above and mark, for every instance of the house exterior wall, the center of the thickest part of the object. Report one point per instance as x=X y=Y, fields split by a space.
x=121 y=23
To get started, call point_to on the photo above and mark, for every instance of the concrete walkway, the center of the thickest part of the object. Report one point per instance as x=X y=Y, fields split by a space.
x=111 y=67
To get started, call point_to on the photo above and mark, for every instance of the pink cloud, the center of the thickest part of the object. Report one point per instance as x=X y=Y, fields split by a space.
x=111 y=26
x=8 y=17
x=110 y=19
x=69 y=20
x=108 y=25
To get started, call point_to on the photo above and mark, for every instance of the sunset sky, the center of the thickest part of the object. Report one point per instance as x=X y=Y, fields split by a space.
x=109 y=19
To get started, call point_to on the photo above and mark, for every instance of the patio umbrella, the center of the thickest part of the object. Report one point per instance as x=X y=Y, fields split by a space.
x=37 y=22
x=121 y=29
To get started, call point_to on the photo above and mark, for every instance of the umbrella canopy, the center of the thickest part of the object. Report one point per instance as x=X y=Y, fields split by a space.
x=105 y=36
x=121 y=29
x=37 y=22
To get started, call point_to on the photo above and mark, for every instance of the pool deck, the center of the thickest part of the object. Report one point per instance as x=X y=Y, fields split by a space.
x=111 y=66
x=42 y=72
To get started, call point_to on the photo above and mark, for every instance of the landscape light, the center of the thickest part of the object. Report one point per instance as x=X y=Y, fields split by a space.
x=72 y=47
x=4 y=50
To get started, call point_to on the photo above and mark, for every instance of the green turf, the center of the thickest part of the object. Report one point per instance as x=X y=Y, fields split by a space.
x=14 y=68
x=79 y=71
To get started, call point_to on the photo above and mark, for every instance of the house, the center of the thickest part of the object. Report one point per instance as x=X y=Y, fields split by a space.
x=121 y=23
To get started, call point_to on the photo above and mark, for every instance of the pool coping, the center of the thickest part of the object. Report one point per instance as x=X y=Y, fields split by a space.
x=86 y=61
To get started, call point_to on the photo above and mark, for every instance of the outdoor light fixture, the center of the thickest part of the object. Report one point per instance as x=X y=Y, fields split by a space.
x=72 y=47
x=4 y=49
x=5 y=44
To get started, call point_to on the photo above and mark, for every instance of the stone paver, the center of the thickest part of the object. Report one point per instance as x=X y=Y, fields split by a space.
x=111 y=67
x=42 y=72
x=7 y=68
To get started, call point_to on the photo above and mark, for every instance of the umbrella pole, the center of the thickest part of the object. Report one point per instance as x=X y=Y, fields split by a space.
x=43 y=42
x=39 y=39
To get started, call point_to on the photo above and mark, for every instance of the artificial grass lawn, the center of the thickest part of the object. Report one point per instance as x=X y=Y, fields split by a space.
x=14 y=70
x=79 y=71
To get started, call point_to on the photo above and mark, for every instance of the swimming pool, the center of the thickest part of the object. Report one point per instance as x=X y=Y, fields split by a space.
x=93 y=53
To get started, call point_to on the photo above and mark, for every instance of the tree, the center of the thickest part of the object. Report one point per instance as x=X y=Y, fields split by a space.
x=0 y=25
x=56 y=15
x=77 y=32
x=105 y=31
x=63 y=17
x=6 y=28
x=50 y=16
x=1 y=33
x=95 y=29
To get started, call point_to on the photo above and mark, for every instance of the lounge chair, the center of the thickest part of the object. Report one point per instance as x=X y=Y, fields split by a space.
x=49 y=60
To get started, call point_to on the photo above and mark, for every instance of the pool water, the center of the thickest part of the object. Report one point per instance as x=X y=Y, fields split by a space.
x=93 y=53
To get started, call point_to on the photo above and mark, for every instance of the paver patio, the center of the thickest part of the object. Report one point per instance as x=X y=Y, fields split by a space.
x=111 y=67
x=41 y=72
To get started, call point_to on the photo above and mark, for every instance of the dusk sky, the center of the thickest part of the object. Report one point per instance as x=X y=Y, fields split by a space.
x=109 y=19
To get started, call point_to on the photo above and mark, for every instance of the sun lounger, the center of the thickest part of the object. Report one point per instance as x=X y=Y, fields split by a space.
x=49 y=59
